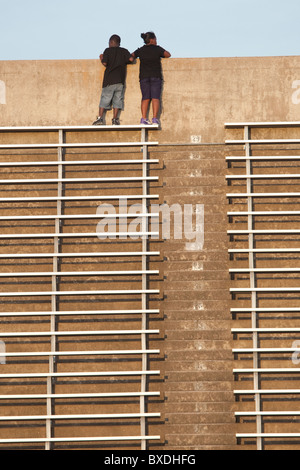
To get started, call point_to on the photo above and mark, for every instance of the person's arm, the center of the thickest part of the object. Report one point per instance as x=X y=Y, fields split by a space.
x=163 y=53
x=129 y=57
x=135 y=54
x=103 y=59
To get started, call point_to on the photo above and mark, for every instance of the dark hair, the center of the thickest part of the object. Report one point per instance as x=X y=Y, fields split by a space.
x=115 y=38
x=148 y=36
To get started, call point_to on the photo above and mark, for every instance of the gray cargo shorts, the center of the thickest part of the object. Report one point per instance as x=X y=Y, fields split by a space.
x=112 y=96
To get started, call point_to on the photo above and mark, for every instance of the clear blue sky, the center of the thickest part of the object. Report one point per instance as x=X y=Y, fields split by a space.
x=79 y=29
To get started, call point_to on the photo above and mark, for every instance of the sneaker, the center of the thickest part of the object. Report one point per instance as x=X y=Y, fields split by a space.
x=116 y=122
x=99 y=121
x=146 y=122
x=155 y=121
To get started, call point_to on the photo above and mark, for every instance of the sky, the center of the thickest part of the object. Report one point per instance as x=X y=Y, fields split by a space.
x=80 y=29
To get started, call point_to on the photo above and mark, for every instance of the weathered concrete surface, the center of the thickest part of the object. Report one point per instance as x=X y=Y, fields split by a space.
x=199 y=94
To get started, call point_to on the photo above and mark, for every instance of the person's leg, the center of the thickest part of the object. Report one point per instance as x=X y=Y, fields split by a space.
x=101 y=112
x=156 y=90
x=100 y=120
x=146 y=98
x=118 y=102
x=156 y=107
x=116 y=119
x=116 y=113
x=105 y=104
x=145 y=107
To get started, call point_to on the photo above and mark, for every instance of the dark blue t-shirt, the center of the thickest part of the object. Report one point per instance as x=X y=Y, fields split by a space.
x=116 y=59
x=150 y=61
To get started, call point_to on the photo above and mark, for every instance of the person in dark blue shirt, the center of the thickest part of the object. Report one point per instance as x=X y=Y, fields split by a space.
x=115 y=60
x=151 y=77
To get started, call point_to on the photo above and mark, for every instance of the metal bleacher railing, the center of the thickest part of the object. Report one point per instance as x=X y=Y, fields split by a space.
x=60 y=373
x=265 y=262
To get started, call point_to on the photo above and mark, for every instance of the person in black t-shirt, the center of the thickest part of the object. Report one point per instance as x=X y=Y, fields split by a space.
x=151 y=78
x=115 y=59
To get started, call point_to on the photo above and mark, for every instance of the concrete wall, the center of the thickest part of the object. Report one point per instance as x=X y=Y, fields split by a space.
x=199 y=94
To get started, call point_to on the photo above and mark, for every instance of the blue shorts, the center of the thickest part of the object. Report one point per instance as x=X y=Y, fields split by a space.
x=151 y=88
x=112 y=96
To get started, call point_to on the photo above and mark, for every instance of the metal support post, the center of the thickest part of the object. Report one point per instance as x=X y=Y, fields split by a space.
x=252 y=265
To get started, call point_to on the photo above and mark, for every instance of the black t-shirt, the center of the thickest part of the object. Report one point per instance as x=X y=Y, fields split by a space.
x=116 y=59
x=150 y=61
